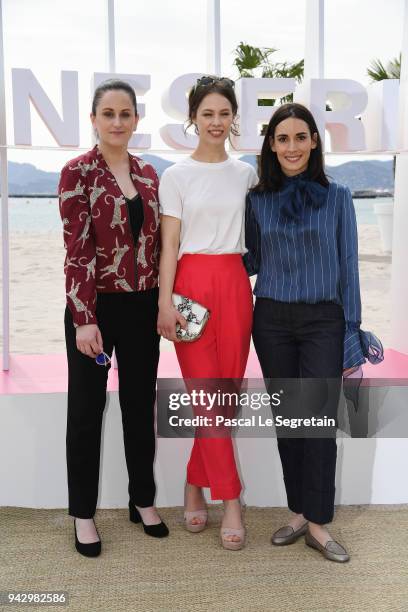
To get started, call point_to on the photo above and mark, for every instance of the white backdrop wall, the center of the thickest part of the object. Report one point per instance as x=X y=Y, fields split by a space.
x=32 y=459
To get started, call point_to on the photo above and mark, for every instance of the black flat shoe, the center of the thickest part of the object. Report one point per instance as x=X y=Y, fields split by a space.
x=156 y=531
x=88 y=550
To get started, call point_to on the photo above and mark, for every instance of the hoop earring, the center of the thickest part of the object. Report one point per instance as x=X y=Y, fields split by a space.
x=196 y=129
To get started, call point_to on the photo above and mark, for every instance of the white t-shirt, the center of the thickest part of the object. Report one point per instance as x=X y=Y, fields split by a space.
x=209 y=199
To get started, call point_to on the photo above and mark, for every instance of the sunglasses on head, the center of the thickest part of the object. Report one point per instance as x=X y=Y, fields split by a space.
x=210 y=80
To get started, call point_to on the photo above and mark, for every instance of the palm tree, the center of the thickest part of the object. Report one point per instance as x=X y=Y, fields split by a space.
x=248 y=59
x=378 y=72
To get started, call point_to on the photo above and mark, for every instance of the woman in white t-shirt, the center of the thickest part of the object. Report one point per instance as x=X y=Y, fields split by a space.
x=202 y=201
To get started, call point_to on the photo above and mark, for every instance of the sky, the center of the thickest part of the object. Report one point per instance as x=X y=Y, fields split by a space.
x=166 y=39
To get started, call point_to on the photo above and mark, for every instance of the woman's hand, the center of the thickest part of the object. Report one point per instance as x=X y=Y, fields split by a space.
x=167 y=321
x=89 y=340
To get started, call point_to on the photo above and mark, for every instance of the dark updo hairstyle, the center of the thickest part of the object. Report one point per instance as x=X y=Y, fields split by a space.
x=219 y=85
x=271 y=176
x=113 y=85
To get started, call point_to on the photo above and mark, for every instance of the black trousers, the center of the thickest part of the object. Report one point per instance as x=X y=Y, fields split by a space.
x=303 y=340
x=128 y=323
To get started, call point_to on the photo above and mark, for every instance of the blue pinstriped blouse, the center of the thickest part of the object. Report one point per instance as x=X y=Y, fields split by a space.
x=308 y=256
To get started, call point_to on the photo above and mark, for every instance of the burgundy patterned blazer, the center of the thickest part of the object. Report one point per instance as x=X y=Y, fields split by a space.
x=101 y=255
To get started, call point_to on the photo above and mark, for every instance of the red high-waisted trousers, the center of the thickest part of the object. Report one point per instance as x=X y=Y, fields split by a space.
x=220 y=283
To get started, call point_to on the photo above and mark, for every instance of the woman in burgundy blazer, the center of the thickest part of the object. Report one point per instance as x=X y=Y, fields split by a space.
x=109 y=208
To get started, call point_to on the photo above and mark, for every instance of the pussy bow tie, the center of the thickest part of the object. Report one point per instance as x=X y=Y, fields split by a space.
x=298 y=191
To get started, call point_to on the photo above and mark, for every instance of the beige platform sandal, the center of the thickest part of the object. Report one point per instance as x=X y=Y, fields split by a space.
x=231 y=545
x=195 y=527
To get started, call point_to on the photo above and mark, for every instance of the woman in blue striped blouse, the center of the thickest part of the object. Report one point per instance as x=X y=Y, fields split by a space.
x=301 y=238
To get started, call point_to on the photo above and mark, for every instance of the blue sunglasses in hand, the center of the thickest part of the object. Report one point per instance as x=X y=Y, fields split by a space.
x=103 y=359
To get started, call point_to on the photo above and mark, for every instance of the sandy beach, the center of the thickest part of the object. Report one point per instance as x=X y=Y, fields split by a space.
x=37 y=293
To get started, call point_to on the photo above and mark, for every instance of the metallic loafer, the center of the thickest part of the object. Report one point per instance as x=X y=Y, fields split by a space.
x=287 y=535
x=332 y=551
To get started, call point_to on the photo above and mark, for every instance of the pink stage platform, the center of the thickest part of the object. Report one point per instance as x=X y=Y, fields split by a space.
x=30 y=374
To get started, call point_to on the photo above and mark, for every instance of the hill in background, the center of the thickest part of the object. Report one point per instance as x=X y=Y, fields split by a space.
x=357 y=174
x=27 y=179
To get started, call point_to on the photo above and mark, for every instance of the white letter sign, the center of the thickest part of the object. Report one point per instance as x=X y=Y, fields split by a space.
x=26 y=88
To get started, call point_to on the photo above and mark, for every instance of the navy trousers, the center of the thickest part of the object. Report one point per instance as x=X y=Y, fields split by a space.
x=295 y=340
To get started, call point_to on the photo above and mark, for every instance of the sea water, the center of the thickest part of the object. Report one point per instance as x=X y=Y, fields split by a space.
x=42 y=214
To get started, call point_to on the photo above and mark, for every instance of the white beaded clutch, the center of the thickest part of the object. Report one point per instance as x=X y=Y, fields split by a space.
x=195 y=314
